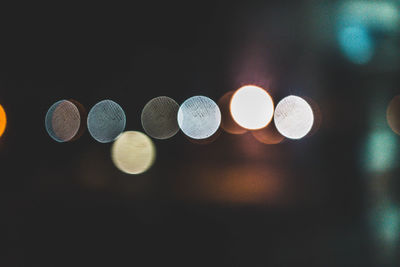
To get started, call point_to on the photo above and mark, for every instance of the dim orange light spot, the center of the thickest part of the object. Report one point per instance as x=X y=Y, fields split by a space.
x=3 y=120
x=268 y=135
x=247 y=183
x=227 y=122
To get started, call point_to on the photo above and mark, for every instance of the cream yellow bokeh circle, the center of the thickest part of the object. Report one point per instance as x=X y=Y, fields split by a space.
x=133 y=152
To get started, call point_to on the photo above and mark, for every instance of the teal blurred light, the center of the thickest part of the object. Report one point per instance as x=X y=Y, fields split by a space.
x=390 y=224
x=385 y=220
x=381 y=151
x=357 y=21
x=375 y=15
x=356 y=44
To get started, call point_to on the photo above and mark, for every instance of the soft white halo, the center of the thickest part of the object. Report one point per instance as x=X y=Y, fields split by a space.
x=293 y=117
x=252 y=107
x=199 y=117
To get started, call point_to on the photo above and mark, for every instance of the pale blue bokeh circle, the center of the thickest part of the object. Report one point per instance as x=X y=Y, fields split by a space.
x=106 y=121
x=199 y=117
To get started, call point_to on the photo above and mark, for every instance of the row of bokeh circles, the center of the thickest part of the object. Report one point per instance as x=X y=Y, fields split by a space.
x=199 y=117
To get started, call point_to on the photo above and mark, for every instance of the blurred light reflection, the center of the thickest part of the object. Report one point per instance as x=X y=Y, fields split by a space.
x=268 y=135
x=237 y=184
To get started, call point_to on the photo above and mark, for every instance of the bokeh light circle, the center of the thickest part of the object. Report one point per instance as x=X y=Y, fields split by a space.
x=159 y=117
x=133 y=152
x=106 y=120
x=199 y=117
x=3 y=120
x=393 y=114
x=63 y=121
x=252 y=107
x=293 y=117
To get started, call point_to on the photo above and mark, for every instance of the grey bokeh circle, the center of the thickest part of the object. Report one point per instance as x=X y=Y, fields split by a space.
x=199 y=117
x=106 y=120
x=63 y=121
x=159 y=117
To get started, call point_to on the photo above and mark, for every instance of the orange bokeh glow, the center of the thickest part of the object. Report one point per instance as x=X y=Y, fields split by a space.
x=246 y=183
x=227 y=122
x=268 y=135
x=3 y=120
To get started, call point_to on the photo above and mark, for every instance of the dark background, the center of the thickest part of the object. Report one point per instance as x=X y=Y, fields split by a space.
x=67 y=205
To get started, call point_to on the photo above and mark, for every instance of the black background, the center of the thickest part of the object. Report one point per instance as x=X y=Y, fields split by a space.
x=67 y=205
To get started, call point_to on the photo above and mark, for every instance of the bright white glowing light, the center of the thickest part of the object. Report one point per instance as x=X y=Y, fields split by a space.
x=199 y=117
x=252 y=107
x=293 y=117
